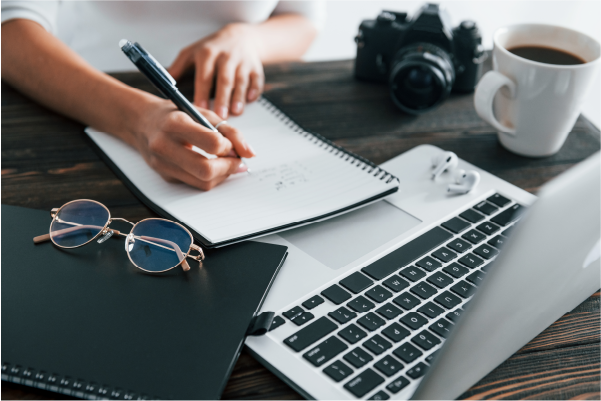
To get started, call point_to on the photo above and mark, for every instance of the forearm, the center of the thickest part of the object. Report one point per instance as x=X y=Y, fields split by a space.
x=284 y=37
x=41 y=66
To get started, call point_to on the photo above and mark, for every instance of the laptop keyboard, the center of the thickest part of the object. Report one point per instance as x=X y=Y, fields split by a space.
x=395 y=313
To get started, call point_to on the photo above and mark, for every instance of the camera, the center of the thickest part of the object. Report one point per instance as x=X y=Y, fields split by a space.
x=422 y=59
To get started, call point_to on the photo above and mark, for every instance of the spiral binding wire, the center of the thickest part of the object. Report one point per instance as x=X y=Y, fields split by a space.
x=328 y=145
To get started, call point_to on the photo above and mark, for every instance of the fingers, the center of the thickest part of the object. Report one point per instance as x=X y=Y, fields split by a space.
x=239 y=95
x=173 y=173
x=242 y=148
x=203 y=80
x=255 y=88
x=182 y=62
x=226 y=69
x=181 y=127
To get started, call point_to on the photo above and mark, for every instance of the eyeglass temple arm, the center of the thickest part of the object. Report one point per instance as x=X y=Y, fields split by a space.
x=46 y=237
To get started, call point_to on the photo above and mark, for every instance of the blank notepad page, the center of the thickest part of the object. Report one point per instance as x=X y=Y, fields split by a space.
x=295 y=177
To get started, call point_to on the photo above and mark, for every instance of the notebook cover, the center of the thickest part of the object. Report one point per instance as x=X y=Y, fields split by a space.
x=88 y=316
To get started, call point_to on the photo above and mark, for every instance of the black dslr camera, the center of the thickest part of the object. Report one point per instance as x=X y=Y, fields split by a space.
x=422 y=59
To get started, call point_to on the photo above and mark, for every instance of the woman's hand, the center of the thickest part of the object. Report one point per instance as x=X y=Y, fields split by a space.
x=230 y=58
x=165 y=137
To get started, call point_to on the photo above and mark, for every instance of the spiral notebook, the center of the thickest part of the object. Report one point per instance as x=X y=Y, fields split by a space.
x=296 y=178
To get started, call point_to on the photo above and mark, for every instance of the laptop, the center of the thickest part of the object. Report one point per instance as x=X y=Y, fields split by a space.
x=422 y=294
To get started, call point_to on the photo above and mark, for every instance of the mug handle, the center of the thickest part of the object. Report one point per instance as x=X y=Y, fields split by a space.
x=488 y=86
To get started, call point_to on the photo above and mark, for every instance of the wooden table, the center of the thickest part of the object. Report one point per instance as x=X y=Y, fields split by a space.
x=47 y=161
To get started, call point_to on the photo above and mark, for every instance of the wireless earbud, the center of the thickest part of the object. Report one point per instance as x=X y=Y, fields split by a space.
x=465 y=182
x=443 y=162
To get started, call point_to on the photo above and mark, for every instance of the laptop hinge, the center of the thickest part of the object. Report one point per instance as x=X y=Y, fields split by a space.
x=260 y=324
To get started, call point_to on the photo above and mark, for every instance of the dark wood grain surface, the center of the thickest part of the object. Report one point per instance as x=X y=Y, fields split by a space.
x=47 y=161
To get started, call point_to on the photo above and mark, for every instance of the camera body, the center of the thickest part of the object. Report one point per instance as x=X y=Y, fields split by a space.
x=422 y=59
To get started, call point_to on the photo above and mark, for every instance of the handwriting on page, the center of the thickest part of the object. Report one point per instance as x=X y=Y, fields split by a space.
x=284 y=176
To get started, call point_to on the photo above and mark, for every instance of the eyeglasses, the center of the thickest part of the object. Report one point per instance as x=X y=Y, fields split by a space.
x=153 y=245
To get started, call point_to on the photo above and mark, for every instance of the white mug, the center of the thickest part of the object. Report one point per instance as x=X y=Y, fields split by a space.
x=535 y=105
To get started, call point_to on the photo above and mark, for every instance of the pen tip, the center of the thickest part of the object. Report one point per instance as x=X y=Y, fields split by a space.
x=123 y=42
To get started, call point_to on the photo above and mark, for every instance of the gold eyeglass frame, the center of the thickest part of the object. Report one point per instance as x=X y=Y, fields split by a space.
x=106 y=229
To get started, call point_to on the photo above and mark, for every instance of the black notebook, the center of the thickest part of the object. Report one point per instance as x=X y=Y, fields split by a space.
x=296 y=178
x=87 y=323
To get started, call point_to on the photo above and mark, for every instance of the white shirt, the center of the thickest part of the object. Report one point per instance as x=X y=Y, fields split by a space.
x=93 y=28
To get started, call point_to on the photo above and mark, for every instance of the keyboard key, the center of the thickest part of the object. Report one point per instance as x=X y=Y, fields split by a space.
x=507 y=216
x=407 y=253
x=395 y=332
x=325 y=351
x=338 y=371
x=413 y=273
x=429 y=264
x=486 y=208
x=440 y=280
x=388 y=365
x=470 y=260
x=431 y=357
x=407 y=301
x=294 y=312
x=455 y=270
x=276 y=322
x=444 y=254
x=389 y=311
x=425 y=340
x=380 y=395
x=311 y=333
x=456 y=225
x=442 y=327
x=378 y=294
x=377 y=344
x=313 y=302
x=463 y=289
x=488 y=228
x=499 y=200
x=486 y=251
x=395 y=283
x=352 y=334
x=371 y=321
x=472 y=216
x=360 y=304
x=453 y=316
x=474 y=236
x=497 y=241
x=417 y=371
x=303 y=318
x=364 y=383
x=342 y=315
x=407 y=352
x=398 y=384
x=476 y=277
x=431 y=310
x=448 y=300
x=423 y=290
x=413 y=320
x=356 y=282
x=508 y=231
x=358 y=357
x=459 y=245
x=336 y=294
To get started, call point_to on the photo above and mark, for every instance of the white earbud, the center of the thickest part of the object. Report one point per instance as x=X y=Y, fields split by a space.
x=445 y=161
x=465 y=182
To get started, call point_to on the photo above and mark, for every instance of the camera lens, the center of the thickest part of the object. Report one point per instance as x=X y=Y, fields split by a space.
x=422 y=76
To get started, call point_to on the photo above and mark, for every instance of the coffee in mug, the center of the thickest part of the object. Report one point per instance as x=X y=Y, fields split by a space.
x=541 y=76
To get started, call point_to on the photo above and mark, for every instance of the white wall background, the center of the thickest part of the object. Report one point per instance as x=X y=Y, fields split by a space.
x=336 y=39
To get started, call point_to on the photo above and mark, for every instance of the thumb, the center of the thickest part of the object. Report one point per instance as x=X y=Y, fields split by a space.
x=182 y=62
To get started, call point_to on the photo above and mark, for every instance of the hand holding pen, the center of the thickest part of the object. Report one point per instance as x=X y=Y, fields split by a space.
x=161 y=144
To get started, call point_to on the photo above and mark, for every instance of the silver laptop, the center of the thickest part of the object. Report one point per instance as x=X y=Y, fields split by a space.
x=422 y=294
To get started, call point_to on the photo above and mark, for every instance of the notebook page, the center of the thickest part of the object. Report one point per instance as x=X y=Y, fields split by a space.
x=294 y=177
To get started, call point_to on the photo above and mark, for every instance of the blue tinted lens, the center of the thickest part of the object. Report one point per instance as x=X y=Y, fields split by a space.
x=158 y=245
x=77 y=223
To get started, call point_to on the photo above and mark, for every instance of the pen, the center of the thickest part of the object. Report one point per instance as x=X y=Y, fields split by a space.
x=161 y=79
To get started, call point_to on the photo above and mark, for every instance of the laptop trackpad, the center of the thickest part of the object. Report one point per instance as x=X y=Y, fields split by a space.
x=341 y=240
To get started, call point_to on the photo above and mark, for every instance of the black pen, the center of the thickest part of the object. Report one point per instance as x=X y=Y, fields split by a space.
x=161 y=79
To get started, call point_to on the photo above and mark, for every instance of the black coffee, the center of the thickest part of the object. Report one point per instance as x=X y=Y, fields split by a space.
x=546 y=55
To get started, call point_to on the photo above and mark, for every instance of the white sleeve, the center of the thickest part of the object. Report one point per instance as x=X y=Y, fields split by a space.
x=314 y=11
x=43 y=12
